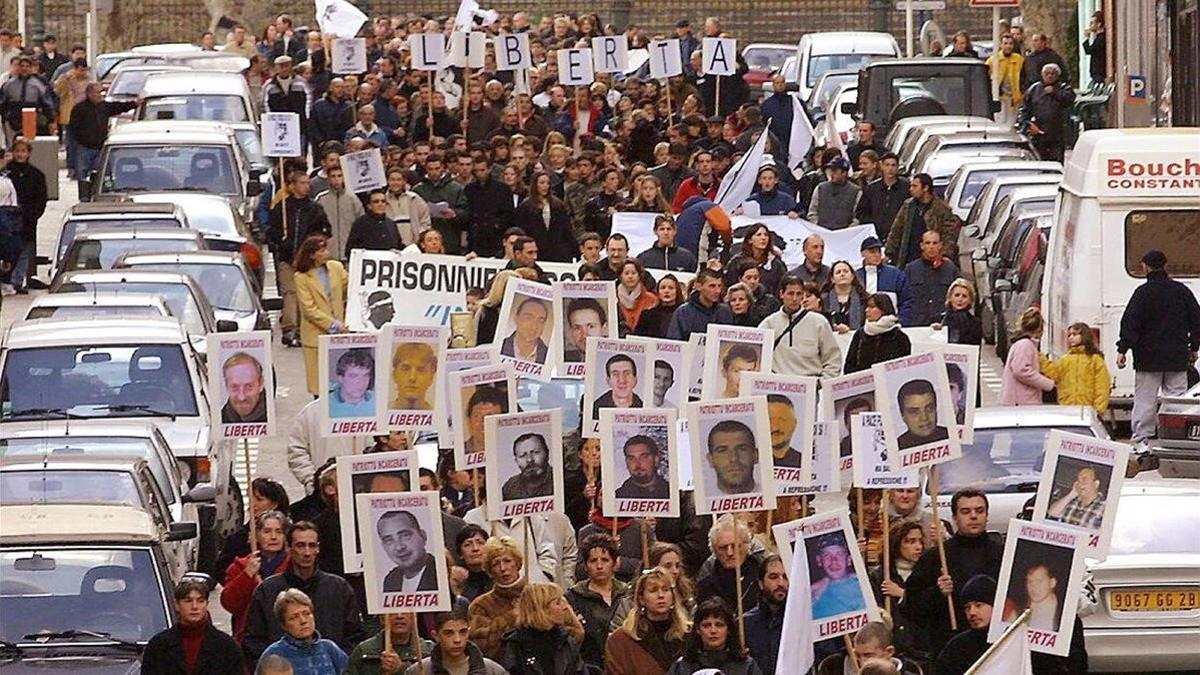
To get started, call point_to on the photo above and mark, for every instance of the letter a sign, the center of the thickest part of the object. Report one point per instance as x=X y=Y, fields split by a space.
x=720 y=56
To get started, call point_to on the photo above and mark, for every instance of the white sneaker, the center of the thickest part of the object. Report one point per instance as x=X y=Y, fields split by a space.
x=1141 y=446
x=7 y=289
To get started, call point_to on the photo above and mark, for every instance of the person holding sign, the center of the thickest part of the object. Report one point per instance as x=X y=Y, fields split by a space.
x=373 y=656
x=287 y=92
x=713 y=644
x=455 y=652
x=405 y=544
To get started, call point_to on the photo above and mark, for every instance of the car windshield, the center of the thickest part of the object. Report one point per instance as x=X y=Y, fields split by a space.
x=140 y=168
x=767 y=59
x=1148 y=523
x=212 y=218
x=95 y=312
x=203 y=107
x=79 y=446
x=951 y=91
x=128 y=83
x=818 y=64
x=56 y=486
x=177 y=296
x=100 y=254
x=111 y=590
x=976 y=180
x=96 y=381
x=251 y=144
x=1007 y=459
x=72 y=229
x=224 y=285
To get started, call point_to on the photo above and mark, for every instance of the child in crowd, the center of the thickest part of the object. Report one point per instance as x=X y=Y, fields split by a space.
x=1080 y=375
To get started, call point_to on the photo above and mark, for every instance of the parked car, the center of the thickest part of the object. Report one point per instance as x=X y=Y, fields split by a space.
x=971 y=235
x=892 y=89
x=228 y=284
x=99 y=247
x=1005 y=459
x=817 y=53
x=86 y=215
x=817 y=103
x=1147 y=591
x=223 y=227
x=196 y=96
x=942 y=165
x=98 y=306
x=966 y=183
x=126 y=85
x=935 y=143
x=903 y=128
x=763 y=59
x=84 y=587
x=1178 y=445
x=1017 y=282
x=916 y=139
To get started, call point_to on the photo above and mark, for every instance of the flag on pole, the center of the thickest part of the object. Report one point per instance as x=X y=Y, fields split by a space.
x=1007 y=656
x=802 y=134
x=738 y=183
x=470 y=16
x=796 y=641
x=339 y=17
x=833 y=139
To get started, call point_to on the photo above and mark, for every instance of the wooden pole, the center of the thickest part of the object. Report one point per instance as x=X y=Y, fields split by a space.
x=717 y=103
x=528 y=537
x=862 y=519
x=429 y=108
x=669 y=113
x=887 y=555
x=283 y=202
x=466 y=103
x=769 y=540
x=416 y=638
x=937 y=529
x=589 y=472
x=850 y=652
x=645 y=545
x=475 y=485
x=250 y=495
x=741 y=613
x=614 y=528
x=803 y=506
x=387 y=632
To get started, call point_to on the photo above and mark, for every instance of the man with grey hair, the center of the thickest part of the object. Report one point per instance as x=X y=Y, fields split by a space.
x=367 y=129
x=812 y=269
x=274 y=665
x=729 y=541
x=1044 y=112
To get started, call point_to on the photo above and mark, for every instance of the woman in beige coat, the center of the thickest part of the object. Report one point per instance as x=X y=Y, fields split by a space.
x=321 y=292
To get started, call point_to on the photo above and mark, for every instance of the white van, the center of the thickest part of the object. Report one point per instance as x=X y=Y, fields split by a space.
x=1124 y=192
x=843 y=50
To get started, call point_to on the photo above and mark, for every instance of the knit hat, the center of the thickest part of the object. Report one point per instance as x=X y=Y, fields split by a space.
x=981 y=588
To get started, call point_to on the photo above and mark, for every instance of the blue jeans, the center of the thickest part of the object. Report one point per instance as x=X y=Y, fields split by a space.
x=85 y=163
x=26 y=265
x=72 y=149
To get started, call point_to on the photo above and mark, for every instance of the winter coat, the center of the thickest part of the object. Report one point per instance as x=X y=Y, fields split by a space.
x=655 y=321
x=450 y=191
x=674 y=259
x=927 y=287
x=691 y=187
x=965 y=558
x=770 y=273
x=1009 y=74
x=341 y=208
x=410 y=213
x=308 y=448
x=890 y=279
x=629 y=549
x=480 y=122
x=804 y=344
x=319 y=312
x=1160 y=324
x=30 y=185
x=773 y=203
x=1081 y=378
x=528 y=651
x=596 y=617
x=237 y=589
x=853 y=316
x=938 y=216
x=1031 y=69
x=962 y=327
x=493 y=614
x=338 y=615
x=832 y=205
x=304 y=217
x=477 y=664
x=626 y=655
x=631 y=317
x=219 y=654
x=693 y=317
x=556 y=241
x=1049 y=110
x=715 y=581
x=89 y=121
x=724 y=660
x=315 y=656
x=764 y=631
x=491 y=204
x=373 y=233
x=866 y=350
x=364 y=660
x=879 y=204
x=330 y=120
x=1022 y=382
x=671 y=180
x=294 y=98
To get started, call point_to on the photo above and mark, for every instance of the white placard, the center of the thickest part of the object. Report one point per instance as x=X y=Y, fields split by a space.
x=672 y=365
x=467 y=49
x=913 y=395
x=842 y=601
x=410 y=374
x=871 y=466
x=639 y=449
x=404 y=565
x=526 y=328
x=728 y=352
x=350 y=402
x=610 y=54
x=427 y=50
x=349 y=55
x=512 y=52
x=575 y=67
x=363 y=170
x=618 y=374
x=842 y=398
x=962 y=369
x=456 y=360
x=240 y=365
x=582 y=309
x=791 y=411
x=524 y=474
x=665 y=60
x=1081 y=485
x=363 y=474
x=731 y=455
x=719 y=56
x=476 y=393
x=281 y=134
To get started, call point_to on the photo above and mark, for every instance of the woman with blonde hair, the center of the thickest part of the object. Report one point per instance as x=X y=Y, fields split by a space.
x=546 y=638
x=651 y=638
x=494 y=613
x=1023 y=382
x=960 y=323
x=648 y=196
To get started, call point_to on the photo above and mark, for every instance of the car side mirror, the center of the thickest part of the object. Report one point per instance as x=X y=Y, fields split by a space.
x=257 y=171
x=849 y=107
x=183 y=531
x=1002 y=286
x=202 y=493
x=226 y=326
x=254 y=188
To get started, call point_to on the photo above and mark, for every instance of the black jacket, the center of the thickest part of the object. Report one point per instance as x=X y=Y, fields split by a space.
x=966 y=557
x=1048 y=110
x=526 y=651
x=304 y=217
x=867 y=350
x=293 y=98
x=30 y=184
x=716 y=581
x=89 y=121
x=1160 y=324
x=1097 y=49
x=491 y=214
x=556 y=243
x=675 y=259
x=337 y=612
x=961 y=652
x=962 y=327
x=596 y=616
x=1031 y=70
x=330 y=120
x=879 y=204
x=373 y=233
x=219 y=654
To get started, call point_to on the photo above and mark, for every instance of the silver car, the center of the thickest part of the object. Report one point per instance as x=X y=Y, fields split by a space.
x=99 y=248
x=98 y=306
x=224 y=277
x=1178 y=445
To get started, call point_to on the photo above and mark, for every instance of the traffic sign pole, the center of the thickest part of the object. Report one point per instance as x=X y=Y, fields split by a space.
x=908 y=29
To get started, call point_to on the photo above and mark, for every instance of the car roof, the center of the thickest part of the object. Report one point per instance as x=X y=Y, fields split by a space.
x=170 y=132
x=139 y=232
x=1034 y=416
x=182 y=200
x=122 y=207
x=65 y=429
x=1032 y=192
x=75 y=523
x=852 y=42
x=182 y=257
x=101 y=299
x=125 y=276
x=930 y=61
x=1161 y=487
x=67 y=462
x=33 y=333
x=1035 y=167
x=193 y=81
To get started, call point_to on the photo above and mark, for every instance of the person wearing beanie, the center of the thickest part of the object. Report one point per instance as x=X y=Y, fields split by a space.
x=964 y=649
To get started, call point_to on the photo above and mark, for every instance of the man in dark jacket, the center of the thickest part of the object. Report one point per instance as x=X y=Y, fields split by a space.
x=971 y=551
x=439 y=187
x=702 y=308
x=777 y=109
x=729 y=541
x=305 y=217
x=1044 y=112
x=337 y=610
x=1097 y=49
x=332 y=116
x=882 y=198
x=877 y=276
x=866 y=141
x=89 y=130
x=286 y=92
x=491 y=205
x=965 y=648
x=1161 y=324
x=923 y=211
x=1041 y=54
x=51 y=58
x=764 y=623
x=665 y=254
x=192 y=646
x=374 y=231
x=672 y=173
x=481 y=119
x=30 y=184
x=926 y=281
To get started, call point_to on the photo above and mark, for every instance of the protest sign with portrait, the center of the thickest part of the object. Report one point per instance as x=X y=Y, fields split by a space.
x=281 y=134
x=871 y=466
x=349 y=55
x=526 y=328
x=731 y=455
x=825 y=475
x=240 y=365
x=913 y=395
x=524 y=474
x=962 y=369
x=638 y=452
x=1081 y=485
x=697 y=344
x=672 y=368
x=404 y=565
x=730 y=351
x=363 y=171
x=361 y=474
x=785 y=535
x=350 y=403
x=412 y=371
x=618 y=375
x=1042 y=572
x=842 y=601
x=842 y=398
x=456 y=360
x=475 y=394
x=792 y=411
x=582 y=309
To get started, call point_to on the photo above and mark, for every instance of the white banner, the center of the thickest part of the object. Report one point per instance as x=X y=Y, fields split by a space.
x=338 y=17
x=349 y=55
x=719 y=56
x=665 y=60
x=610 y=53
x=363 y=170
x=281 y=134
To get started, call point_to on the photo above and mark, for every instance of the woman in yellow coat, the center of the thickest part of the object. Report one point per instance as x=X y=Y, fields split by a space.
x=1080 y=376
x=321 y=292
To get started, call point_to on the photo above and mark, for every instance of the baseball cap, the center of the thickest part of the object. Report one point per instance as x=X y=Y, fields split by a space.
x=870 y=243
x=838 y=163
x=281 y=60
x=683 y=23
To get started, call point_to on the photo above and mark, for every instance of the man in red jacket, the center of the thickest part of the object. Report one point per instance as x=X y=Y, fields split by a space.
x=704 y=183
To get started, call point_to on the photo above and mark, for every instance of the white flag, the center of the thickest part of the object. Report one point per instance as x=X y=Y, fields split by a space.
x=470 y=16
x=340 y=18
x=738 y=183
x=802 y=134
x=833 y=139
x=796 y=640
x=1008 y=656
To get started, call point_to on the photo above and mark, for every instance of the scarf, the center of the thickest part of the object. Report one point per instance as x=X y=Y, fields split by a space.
x=936 y=264
x=885 y=323
x=903 y=568
x=629 y=298
x=606 y=524
x=270 y=565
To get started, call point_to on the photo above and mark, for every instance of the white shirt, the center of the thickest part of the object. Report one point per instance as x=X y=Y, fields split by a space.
x=409 y=584
x=872 y=275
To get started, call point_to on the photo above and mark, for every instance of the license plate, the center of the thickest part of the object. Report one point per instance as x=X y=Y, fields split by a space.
x=1194 y=432
x=1154 y=600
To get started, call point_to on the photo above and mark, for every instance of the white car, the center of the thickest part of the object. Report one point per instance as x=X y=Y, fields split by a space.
x=902 y=128
x=87 y=306
x=970 y=179
x=817 y=53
